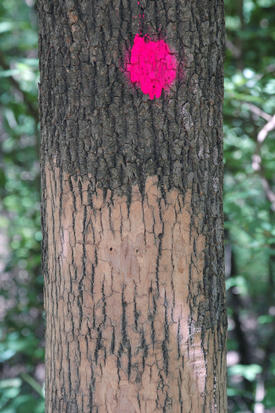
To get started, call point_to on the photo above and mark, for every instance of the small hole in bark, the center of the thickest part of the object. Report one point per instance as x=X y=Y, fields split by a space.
x=111 y=249
x=136 y=250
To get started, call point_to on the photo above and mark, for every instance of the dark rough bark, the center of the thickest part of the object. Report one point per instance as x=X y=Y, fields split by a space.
x=132 y=211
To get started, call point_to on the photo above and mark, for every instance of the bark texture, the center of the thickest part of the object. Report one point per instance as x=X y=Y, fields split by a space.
x=132 y=211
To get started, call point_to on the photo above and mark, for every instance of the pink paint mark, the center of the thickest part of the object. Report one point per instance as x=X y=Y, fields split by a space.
x=152 y=66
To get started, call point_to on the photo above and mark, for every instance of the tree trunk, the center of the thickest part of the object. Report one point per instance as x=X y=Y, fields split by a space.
x=132 y=210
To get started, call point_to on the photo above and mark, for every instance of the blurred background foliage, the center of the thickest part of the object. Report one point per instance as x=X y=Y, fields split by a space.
x=249 y=205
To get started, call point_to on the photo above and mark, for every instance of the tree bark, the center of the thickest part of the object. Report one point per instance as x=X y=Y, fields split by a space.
x=132 y=210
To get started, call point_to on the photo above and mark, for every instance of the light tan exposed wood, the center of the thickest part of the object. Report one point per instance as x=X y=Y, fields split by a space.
x=124 y=299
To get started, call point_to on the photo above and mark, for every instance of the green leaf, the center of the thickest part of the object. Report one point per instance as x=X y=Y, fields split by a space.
x=249 y=372
x=8 y=73
x=265 y=319
x=6 y=354
x=6 y=27
x=10 y=383
x=33 y=383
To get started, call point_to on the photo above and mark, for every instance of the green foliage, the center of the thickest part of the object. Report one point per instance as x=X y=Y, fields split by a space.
x=21 y=340
x=249 y=372
x=15 y=399
x=249 y=104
